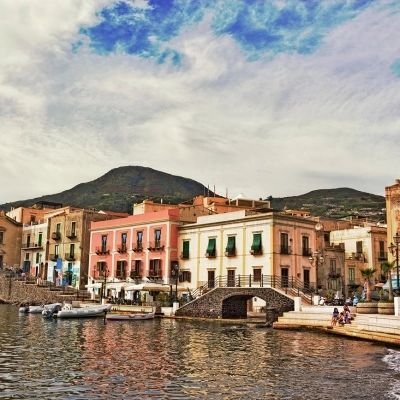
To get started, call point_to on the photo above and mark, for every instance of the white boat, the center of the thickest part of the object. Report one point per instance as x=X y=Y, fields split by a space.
x=38 y=309
x=83 y=311
x=130 y=317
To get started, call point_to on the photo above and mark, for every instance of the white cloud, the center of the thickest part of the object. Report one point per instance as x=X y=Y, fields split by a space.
x=280 y=127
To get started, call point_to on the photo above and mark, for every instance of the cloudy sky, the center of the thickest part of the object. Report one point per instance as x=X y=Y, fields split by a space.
x=273 y=97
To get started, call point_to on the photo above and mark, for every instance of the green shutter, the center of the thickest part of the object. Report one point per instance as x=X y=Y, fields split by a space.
x=231 y=244
x=256 y=242
x=185 y=252
x=211 y=246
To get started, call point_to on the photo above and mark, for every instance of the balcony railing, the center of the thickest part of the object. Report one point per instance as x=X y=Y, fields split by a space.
x=53 y=257
x=56 y=235
x=211 y=254
x=382 y=256
x=32 y=245
x=286 y=249
x=157 y=245
x=70 y=256
x=71 y=234
x=155 y=275
x=121 y=248
x=306 y=252
x=256 y=252
x=230 y=253
x=137 y=247
x=184 y=255
x=102 y=250
x=136 y=273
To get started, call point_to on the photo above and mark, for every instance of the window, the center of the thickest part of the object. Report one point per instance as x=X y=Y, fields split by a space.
x=104 y=243
x=102 y=268
x=359 y=247
x=28 y=241
x=257 y=274
x=137 y=269
x=332 y=266
x=33 y=219
x=230 y=249
x=71 y=249
x=139 y=240
x=56 y=250
x=306 y=251
x=37 y=258
x=58 y=227
x=285 y=243
x=185 y=252
x=73 y=228
x=211 y=252
x=185 y=276
x=231 y=277
x=40 y=239
x=155 y=268
x=256 y=245
x=27 y=256
x=157 y=238
x=121 y=268
x=1 y=237
x=382 y=254
x=122 y=248
x=352 y=276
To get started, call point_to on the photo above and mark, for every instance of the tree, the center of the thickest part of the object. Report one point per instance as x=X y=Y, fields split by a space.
x=367 y=274
x=387 y=269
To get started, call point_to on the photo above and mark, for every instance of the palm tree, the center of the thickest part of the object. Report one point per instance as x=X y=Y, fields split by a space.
x=367 y=274
x=386 y=268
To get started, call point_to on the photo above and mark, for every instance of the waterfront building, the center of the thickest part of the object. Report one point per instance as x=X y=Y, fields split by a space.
x=245 y=247
x=69 y=244
x=10 y=241
x=134 y=254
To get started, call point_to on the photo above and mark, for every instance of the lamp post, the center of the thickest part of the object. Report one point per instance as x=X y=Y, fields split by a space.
x=318 y=258
x=175 y=275
x=394 y=249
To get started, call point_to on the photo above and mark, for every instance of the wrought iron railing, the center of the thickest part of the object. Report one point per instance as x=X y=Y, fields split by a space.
x=290 y=285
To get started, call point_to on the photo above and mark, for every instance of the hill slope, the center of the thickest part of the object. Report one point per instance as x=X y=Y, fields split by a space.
x=120 y=188
x=334 y=203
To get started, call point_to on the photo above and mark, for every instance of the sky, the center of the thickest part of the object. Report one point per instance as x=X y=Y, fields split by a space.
x=260 y=97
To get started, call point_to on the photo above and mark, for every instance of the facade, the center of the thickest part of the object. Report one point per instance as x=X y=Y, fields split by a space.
x=10 y=242
x=365 y=247
x=245 y=248
x=133 y=254
x=69 y=245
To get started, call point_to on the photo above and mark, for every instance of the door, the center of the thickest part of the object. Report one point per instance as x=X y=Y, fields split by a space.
x=306 y=279
x=211 y=279
x=285 y=277
x=231 y=277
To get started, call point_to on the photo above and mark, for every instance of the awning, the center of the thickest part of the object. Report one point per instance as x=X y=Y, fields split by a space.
x=115 y=285
x=211 y=246
x=93 y=285
x=394 y=284
x=256 y=242
x=231 y=244
x=185 y=252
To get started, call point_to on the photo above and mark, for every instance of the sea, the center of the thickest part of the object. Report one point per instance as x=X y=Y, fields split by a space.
x=169 y=358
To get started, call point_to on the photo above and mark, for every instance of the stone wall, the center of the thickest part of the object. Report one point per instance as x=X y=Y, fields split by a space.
x=15 y=291
x=232 y=303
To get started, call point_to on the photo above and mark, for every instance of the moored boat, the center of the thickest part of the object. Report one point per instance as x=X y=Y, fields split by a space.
x=38 y=309
x=83 y=311
x=130 y=317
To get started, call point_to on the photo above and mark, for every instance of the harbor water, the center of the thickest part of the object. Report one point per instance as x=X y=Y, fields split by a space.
x=179 y=359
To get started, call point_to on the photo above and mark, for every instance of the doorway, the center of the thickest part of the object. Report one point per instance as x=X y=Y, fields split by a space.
x=306 y=279
x=231 y=278
x=211 y=279
x=285 y=277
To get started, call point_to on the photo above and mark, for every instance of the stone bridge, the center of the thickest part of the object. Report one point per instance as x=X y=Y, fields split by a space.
x=231 y=303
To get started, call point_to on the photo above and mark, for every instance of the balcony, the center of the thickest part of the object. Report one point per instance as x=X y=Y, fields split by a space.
x=54 y=257
x=56 y=235
x=121 y=248
x=334 y=275
x=155 y=275
x=158 y=245
x=211 y=254
x=306 y=252
x=102 y=250
x=286 y=249
x=184 y=255
x=71 y=234
x=137 y=247
x=136 y=274
x=70 y=256
x=256 y=252
x=230 y=253
x=382 y=256
x=32 y=246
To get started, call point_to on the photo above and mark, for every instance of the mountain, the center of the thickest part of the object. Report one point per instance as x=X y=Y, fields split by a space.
x=120 y=188
x=335 y=203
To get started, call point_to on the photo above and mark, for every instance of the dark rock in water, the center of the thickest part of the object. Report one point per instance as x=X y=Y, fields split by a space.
x=266 y=325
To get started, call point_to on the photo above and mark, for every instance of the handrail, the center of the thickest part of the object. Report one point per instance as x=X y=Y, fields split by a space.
x=290 y=285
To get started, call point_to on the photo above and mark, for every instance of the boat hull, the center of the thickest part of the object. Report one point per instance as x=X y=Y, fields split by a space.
x=84 y=312
x=129 y=317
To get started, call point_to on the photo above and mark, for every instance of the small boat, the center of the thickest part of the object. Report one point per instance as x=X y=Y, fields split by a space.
x=130 y=317
x=38 y=309
x=83 y=312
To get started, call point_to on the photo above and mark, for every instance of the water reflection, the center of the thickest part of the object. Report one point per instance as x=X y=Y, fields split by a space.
x=174 y=359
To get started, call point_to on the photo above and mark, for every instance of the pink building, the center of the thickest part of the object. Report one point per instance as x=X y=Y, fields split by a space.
x=137 y=250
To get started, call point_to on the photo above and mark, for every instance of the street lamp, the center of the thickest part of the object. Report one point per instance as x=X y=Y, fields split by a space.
x=102 y=268
x=394 y=249
x=319 y=260
x=175 y=275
